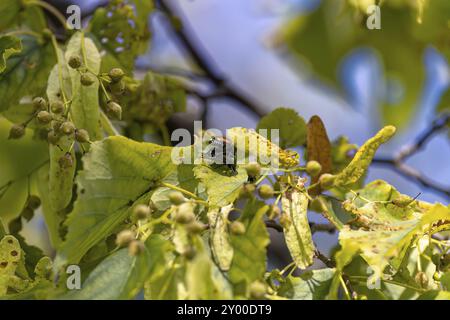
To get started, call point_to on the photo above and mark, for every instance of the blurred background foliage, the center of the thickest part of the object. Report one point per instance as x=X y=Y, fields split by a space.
x=336 y=29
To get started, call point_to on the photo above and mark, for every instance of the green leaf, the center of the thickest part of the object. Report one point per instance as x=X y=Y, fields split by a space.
x=203 y=280
x=170 y=285
x=445 y=281
x=250 y=249
x=193 y=278
x=121 y=276
x=118 y=173
x=61 y=176
x=9 y=46
x=26 y=72
x=34 y=18
x=2 y=230
x=311 y=285
x=297 y=233
x=165 y=275
x=360 y=163
x=340 y=152
x=292 y=127
x=85 y=108
x=219 y=237
x=154 y=100
x=21 y=14
x=22 y=113
x=121 y=33
x=52 y=218
x=221 y=187
x=18 y=159
x=183 y=177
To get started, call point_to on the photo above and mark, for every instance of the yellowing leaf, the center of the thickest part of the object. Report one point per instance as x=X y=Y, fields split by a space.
x=10 y=255
x=257 y=147
x=385 y=231
x=297 y=233
x=358 y=166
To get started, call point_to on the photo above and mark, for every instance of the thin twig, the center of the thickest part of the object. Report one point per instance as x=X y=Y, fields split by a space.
x=440 y=123
x=179 y=72
x=398 y=164
x=315 y=227
x=199 y=56
x=273 y=225
x=322 y=227
x=325 y=260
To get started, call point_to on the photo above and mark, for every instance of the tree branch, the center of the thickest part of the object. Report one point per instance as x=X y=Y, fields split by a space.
x=315 y=227
x=322 y=227
x=274 y=225
x=190 y=43
x=398 y=164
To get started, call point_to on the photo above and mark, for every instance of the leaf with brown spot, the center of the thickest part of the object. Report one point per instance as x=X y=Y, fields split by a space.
x=9 y=260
